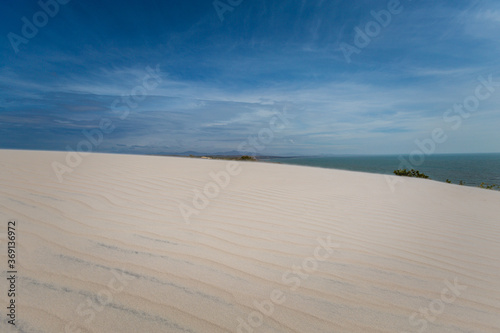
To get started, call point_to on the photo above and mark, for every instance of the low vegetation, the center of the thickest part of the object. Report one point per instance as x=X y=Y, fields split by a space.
x=247 y=158
x=417 y=174
x=411 y=173
x=490 y=187
x=232 y=158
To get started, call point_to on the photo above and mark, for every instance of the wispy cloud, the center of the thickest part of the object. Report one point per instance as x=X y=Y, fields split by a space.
x=222 y=82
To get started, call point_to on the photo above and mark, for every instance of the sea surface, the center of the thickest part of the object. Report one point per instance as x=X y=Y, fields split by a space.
x=471 y=169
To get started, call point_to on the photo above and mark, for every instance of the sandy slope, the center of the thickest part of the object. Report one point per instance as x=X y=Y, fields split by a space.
x=108 y=250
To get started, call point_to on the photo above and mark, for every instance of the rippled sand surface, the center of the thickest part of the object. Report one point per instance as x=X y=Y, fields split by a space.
x=271 y=248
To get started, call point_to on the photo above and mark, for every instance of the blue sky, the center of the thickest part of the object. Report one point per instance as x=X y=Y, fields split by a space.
x=222 y=81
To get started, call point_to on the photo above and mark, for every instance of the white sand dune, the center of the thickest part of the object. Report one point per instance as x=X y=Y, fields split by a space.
x=108 y=250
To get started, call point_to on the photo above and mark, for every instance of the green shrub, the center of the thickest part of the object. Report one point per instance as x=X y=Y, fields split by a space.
x=247 y=158
x=411 y=173
x=483 y=185
x=489 y=187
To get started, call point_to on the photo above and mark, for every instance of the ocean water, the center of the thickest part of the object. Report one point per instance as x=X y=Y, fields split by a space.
x=472 y=169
